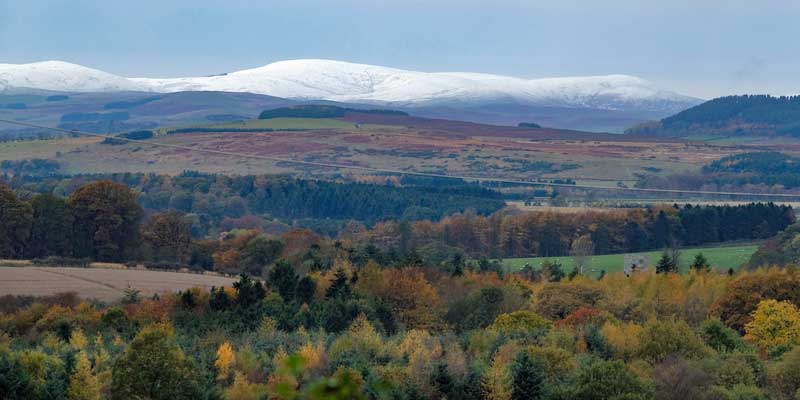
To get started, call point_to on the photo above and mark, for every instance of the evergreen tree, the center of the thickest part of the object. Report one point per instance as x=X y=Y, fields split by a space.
x=700 y=263
x=666 y=264
x=51 y=228
x=306 y=288
x=527 y=377
x=553 y=271
x=340 y=287
x=15 y=224
x=283 y=279
x=248 y=292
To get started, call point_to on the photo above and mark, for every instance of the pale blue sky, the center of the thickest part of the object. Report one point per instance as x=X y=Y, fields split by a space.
x=701 y=47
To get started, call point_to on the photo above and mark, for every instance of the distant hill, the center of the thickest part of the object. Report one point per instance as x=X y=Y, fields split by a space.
x=764 y=171
x=747 y=115
x=597 y=103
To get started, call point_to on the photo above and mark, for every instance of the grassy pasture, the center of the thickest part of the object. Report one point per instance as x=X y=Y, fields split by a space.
x=722 y=257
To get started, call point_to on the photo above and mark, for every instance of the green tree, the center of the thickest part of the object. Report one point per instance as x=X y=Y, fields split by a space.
x=15 y=223
x=527 y=377
x=306 y=288
x=51 y=229
x=552 y=270
x=283 y=279
x=603 y=380
x=700 y=263
x=106 y=221
x=260 y=252
x=666 y=264
x=14 y=381
x=154 y=367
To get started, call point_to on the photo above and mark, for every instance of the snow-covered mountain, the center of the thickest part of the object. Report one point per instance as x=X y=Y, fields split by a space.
x=361 y=83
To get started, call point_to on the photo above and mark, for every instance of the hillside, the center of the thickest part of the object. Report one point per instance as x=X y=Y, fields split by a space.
x=608 y=102
x=747 y=115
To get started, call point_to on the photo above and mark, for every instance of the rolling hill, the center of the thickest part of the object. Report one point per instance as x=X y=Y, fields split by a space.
x=593 y=102
x=731 y=116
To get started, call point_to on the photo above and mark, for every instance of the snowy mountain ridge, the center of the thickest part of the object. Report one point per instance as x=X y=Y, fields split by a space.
x=361 y=83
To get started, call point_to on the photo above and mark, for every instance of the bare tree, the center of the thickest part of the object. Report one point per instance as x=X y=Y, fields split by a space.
x=581 y=251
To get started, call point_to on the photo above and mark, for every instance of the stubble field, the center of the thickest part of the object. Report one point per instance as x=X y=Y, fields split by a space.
x=97 y=283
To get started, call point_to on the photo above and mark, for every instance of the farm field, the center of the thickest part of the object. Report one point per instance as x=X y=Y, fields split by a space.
x=98 y=283
x=722 y=257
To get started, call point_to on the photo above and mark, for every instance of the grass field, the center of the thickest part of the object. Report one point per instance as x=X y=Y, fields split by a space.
x=723 y=257
x=97 y=283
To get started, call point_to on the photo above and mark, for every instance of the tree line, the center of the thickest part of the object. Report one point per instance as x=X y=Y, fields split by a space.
x=507 y=234
x=254 y=200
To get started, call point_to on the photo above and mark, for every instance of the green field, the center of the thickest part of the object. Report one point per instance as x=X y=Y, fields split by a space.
x=720 y=257
x=286 y=123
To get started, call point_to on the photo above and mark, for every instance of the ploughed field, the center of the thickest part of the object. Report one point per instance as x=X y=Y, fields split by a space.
x=99 y=283
x=721 y=257
x=386 y=142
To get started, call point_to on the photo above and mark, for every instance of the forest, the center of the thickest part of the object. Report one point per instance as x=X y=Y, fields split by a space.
x=257 y=201
x=759 y=172
x=110 y=221
x=396 y=310
x=743 y=115
x=415 y=332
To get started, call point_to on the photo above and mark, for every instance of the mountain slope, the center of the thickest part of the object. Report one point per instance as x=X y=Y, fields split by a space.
x=609 y=102
x=61 y=76
x=349 y=82
x=748 y=115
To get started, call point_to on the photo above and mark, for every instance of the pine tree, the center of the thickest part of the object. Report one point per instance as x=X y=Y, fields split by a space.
x=700 y=263
x=340 y=287
x=666 y=264
x=527 y=378
x=82 y=384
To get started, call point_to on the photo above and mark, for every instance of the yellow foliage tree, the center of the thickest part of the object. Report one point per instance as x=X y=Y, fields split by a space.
x=78 y=340
x=241 y=389
x=623 y=338
x=82 y=384
x=520 y=322
x=225 y=358
x=497 y=378
x=774 y=323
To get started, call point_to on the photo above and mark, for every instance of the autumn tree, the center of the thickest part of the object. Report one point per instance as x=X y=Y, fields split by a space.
x=83 y=385
x=169 y=234
x=775 y=323
x=106 y=221
x=581 y=251
x=15 y=225
x=225 y=359
x=154 y=367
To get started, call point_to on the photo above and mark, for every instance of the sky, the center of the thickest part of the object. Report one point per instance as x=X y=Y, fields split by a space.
x=703 y=48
